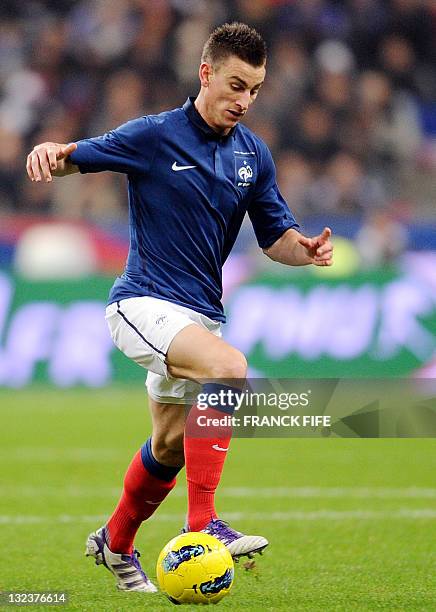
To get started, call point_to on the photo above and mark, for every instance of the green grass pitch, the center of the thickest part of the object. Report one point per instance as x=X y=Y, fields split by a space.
x=351 y=523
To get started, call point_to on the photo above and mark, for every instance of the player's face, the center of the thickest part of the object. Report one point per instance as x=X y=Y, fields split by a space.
x=232 y=87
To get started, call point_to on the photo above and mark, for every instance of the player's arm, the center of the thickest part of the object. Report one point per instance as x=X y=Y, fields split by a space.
x=275 y=226
x=129 y=149
x=294 y=249
x=50 y=159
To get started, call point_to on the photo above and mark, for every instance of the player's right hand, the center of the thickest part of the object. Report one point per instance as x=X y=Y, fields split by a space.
x=49 y=159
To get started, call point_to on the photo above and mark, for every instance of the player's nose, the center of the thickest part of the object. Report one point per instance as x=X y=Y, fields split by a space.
x=244 y=100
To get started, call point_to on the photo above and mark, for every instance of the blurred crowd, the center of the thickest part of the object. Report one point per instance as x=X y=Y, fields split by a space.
x=348 y=108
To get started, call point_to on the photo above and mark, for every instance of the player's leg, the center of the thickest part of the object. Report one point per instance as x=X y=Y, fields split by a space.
x=168 y=424
x=150 y=476
x=198 y=354
x=142 y=328
x=145 y=329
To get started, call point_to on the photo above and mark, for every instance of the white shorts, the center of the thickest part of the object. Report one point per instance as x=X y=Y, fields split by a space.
x=143 y=329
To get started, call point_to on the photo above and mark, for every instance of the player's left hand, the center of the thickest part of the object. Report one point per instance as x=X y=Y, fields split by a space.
x=319 y=249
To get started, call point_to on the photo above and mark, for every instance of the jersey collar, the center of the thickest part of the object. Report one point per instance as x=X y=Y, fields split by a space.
x=195 y=118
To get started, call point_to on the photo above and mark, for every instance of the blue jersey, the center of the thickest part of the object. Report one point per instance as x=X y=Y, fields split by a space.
x=189 y=190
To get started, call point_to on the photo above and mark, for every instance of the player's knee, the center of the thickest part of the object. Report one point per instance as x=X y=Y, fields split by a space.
x=168 y=448
x=231 y=366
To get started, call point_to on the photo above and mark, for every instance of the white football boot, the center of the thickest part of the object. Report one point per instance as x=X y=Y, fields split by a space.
x=238 y=544
x=126 y=568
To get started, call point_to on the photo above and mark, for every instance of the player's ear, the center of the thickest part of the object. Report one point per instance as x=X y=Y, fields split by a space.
x=204 y=73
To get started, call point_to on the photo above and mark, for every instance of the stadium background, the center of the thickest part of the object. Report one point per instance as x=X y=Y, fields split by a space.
x=349 y=112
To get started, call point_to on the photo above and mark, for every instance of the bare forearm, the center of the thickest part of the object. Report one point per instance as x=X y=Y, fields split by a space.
x=287 y=250
x=294 y=249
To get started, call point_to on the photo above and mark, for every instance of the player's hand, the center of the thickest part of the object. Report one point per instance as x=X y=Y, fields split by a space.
x=319 y=249
x=49 y=159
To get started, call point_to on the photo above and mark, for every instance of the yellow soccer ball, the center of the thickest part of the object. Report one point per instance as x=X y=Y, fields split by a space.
x=195 y=568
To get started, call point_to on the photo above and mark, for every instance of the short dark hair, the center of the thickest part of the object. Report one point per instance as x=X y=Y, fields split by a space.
x=235 y=39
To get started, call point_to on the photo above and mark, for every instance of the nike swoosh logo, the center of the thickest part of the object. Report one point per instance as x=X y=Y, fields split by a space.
x=216 y=447
x=176 y=168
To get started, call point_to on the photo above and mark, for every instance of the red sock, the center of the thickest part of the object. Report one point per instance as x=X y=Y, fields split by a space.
x=205 y=453
x=142 y=495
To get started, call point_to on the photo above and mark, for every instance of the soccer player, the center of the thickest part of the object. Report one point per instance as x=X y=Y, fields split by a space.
x=193 y=173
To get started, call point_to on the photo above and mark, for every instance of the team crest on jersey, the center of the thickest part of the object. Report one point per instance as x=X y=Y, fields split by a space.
x=246 y=168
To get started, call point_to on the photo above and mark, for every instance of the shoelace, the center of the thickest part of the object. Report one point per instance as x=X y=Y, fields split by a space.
x=224 y=530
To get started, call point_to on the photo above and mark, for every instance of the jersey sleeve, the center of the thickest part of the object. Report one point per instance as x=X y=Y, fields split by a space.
x=268 y=211
x=128 y=149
